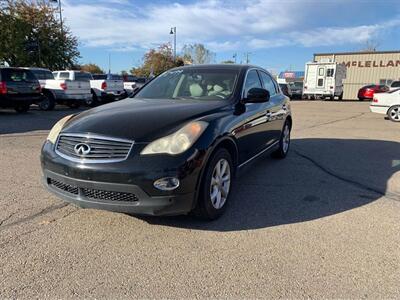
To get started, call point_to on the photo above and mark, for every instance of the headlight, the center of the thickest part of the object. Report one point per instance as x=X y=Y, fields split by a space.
x=178 y=142
x=53 y=135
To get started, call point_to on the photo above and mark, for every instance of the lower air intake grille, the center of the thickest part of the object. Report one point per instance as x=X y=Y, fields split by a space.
x=63 y=186
x=109 y=196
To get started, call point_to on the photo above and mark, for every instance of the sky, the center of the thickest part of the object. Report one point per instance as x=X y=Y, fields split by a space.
x=277 y=34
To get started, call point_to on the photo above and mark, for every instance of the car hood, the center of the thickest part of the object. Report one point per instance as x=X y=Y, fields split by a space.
x=142 y=120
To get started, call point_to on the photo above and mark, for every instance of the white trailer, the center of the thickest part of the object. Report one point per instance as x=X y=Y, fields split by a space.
x=324 y=80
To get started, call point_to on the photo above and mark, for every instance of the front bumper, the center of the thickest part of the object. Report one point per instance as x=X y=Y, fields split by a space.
x=125 y=186
x=115 y=197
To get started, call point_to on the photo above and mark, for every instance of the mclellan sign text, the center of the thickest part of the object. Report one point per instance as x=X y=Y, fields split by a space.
x=373 y=64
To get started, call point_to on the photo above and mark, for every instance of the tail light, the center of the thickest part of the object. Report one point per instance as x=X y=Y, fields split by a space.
x=63 y=86
x=3 y=87
x=331 y=87
x=375 y=100
x=104 y=85
x=39 y=89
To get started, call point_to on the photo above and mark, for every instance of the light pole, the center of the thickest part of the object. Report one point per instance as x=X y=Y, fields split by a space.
x=173 y=31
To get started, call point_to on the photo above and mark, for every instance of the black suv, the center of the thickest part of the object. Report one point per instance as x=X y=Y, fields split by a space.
x=174 y=147
x=19 y=88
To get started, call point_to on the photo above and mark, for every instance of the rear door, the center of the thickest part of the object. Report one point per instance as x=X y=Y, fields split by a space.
x=321 y=78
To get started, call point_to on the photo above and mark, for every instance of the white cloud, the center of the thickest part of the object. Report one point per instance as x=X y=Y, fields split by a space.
x=121 y=25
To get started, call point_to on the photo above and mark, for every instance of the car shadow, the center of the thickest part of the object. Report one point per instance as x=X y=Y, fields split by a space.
x=319 y=178
x=34 y=120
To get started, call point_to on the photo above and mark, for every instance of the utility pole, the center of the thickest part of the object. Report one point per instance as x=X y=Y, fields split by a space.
x=234 y=57
x=173 y=31
x=109 y=64
x=247 y=57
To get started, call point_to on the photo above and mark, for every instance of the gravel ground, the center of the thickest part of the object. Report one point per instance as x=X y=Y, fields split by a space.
x=323 y=223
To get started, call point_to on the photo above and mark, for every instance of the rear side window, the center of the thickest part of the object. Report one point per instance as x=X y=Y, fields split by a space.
x=17 y=75
x=42 y=74
x=252 y=81
x=64 y=75
x=268 y=83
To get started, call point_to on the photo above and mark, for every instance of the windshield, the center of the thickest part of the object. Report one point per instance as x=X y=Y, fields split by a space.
x=17 y=75
x=192 y=83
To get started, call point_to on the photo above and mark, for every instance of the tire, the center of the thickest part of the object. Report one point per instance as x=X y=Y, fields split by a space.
x=284 y=142
x=331 y=98
x=394 y=113
x=74 y=105
x=22 y=108
x=48 y=102
x=211 y=207
x=340 y=96
x=93 y=101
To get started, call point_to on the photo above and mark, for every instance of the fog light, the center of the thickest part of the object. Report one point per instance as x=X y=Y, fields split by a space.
x=166 y=184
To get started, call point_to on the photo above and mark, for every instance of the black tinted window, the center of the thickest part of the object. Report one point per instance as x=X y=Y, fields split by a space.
x=42 y=74
x=99 y=76
x=268 y=83
x=17 y=75
x=395 y=84
x=81 y=76
x=252 y=81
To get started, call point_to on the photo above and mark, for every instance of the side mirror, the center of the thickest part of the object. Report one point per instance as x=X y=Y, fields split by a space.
x=257 y=95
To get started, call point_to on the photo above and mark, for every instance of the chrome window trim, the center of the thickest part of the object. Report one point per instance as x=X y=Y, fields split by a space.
x=93 y=136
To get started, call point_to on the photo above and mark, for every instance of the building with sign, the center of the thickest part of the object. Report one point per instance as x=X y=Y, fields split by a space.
x=292 y=76
x=363 y=68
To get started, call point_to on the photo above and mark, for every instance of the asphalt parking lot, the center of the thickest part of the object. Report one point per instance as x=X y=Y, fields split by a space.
x=323 y=223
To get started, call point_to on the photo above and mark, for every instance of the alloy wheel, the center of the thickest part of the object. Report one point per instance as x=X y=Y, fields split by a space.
x=286 y=138
x=220 y=183
x=394 y=114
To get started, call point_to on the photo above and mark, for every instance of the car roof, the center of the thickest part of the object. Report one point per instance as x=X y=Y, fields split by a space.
x=219 y=66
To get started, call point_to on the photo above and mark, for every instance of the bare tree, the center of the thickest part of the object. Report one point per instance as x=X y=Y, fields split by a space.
x=370 y=45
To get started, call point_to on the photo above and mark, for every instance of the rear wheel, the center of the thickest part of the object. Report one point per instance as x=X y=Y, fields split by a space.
x=92 y=101
x=394 y=113
x=284 y=142
x=216 y=185
x=22 y=108
x=48 y=102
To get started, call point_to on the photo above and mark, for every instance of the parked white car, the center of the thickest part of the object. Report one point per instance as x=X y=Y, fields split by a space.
x=387 y=104
x=105 y=89
x=61 y=89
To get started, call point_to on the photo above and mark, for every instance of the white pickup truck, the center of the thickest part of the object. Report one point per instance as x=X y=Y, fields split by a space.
x=65 y=88
x=105 y=89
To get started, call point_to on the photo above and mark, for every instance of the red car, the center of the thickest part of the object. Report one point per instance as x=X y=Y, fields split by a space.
x=367 y=92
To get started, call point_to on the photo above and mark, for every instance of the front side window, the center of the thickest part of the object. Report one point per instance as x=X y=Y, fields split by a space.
x=252 y=81
x=268 y=83
x=191 y=83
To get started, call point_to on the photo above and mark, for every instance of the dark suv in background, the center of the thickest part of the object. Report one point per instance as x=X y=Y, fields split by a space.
x=19 y=88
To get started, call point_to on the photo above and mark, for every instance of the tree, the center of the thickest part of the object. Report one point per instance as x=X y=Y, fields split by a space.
x=227 y=62
x=31 y=35
x=198 y=54
x=156 y=61
x=92 y=68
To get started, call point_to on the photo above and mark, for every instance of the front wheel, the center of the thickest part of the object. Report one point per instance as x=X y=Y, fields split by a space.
x=216 y=185
x=394 y=113
x=284 y=142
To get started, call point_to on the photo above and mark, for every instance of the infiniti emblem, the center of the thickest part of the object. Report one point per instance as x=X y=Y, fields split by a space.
x=82 y=149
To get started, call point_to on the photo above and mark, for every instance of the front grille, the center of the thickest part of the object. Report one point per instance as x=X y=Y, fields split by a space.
x=100 y=149
x=63 y=186
x=109 y=196
x=92 y=194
